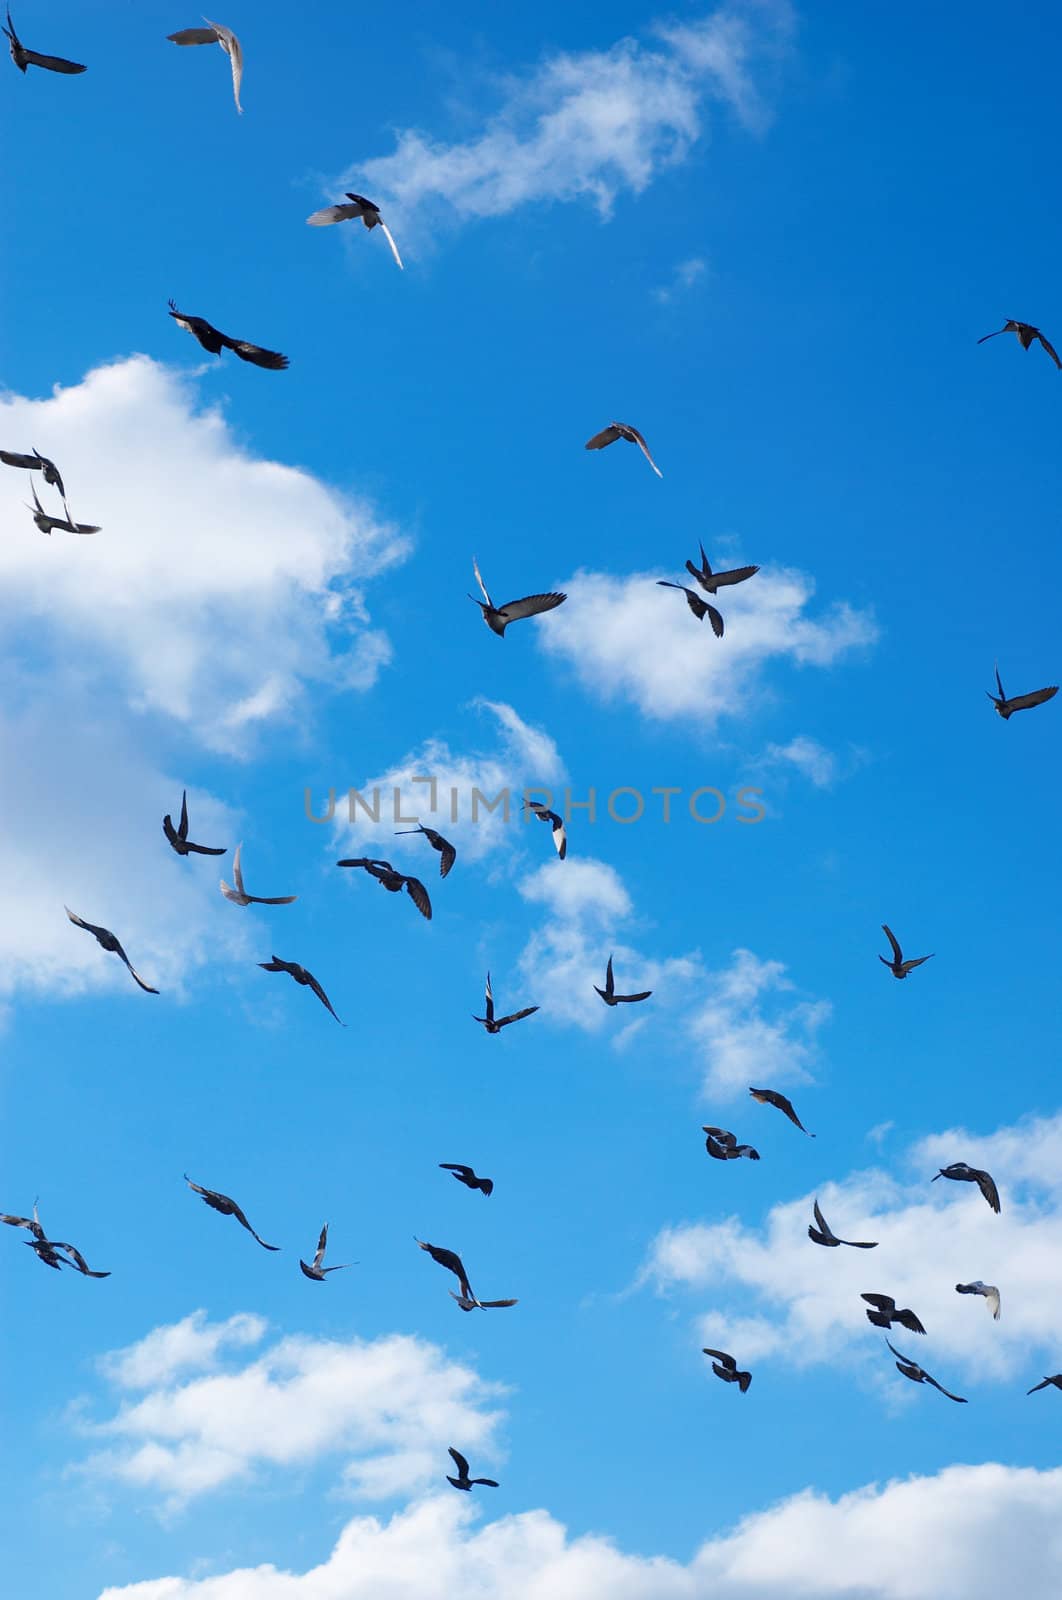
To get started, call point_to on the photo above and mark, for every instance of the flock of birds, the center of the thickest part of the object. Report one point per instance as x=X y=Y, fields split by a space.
x=721 y=1144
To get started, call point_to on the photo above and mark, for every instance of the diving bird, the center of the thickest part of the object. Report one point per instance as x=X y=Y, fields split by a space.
x=987 y=1290
x=824 y=1234
x=711 y=582
x=722 y=1145
x=898 y=966
x=609 y=995
x=463 y=1481
x=216 y=33
x=1055 y=1379
x=622 y=430
x=239 y=895
x=107 y=940
x=227 y=1208
x=447 y=851
x=496 y=1024
x=1026 y=334
x=724 y=1366
x=543 y=813
x=178 y=836
x=453 y=1263
x=24 y=58
x=49 y=524
x=699 y=607
x=771 y=1097
x=392 y=880
x=315 y=1269
x=917 y=1374
x=498 y=618
x=367 y=210
x=468 y=1177
x=1020 y=702
x=300 y=975
x=886 y=1312
x=964 y=1174
x=46 y=1248
x=214 y=341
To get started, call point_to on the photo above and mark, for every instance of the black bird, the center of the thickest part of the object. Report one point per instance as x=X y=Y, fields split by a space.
x=46 y=1249
x=1055 y=1379
x=367 y=210
x=544 y=814
x=964 y=1174
x=463 y=1481
x=178 y=836
x=917 y=1374
x=214 y=341
x=447 y=852
x=496 y=1024
x=300 y=975
x=1020 y=702
x=498 y=618
x=104 y=937
x=699 y=607
x=315 y=1270
x=32 y=1223
x=824 y=1234
x=609 y=995
x=466 y=1176
x=227 y=1208
x=711 y=582
x=771 y=1097
x=723 y=1146
x=238 y=894
x=453 y=1263
x=36 y=463
x=726 y=1367
x=392 y=880
x=24 y=58
x=49 y=524
x=898 y=966
x=885 y=1313
x=1026 y=334
x=622 y=430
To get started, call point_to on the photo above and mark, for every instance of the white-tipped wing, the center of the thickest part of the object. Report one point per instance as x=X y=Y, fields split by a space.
x=231 y=46
x=644 y=448
x=390 y=239
x=330 y=214
x=236 y=894
x=482 y=585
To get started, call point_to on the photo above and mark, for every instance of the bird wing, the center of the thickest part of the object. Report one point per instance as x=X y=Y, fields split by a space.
x=32 y=1223
x=194 y=36
x=1036 y=698
x=992 y=1297
x=321 y=1244
x=134 y=973
x=419 y=896
x=530 y=606
x=242 y=1220
x=490 y=1000
x=231 y=46
x=516 y=1016
x=170 y=831
x=896 y=951
x=329 y=214
x=916 y=961
x=610 y=982
x=457 y=1167
x=319 y=992
x=722 y=1136
x=630 y=999
x=482 y=585
x=736 y=575
x=390 y=239
x=995 y=335
x=987 y=1186
x=1052 y=352
x=644 y=448
x=272 y=360
x=883 y=1302
x=237 y=872
x=459 y=1462
x=893 y=1348
x=78 y=1259
x=52 y=63
x=495 y=1305
x=447 y=853
x=12 y=458
x=721 y=1355
x=607 y=435
x=956 y=1397
x=823 y=1224
x=560 y=838
x=79 y=922
x=1036 y=1386
x=182 y=826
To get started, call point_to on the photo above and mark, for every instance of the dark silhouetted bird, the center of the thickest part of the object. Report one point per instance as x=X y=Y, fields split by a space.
x=227 y=1208
x=447 y=852
x=368 y=212
x=771 y=1097
x=988 y=1291
x=1055 y=1379
x=466 y=1176
x=609 y=995
x=885 y=1313
x=699 y=607
x=711 y=582
x=724 y=1366
x=1026 y=334
x=498 y=618
x=386 y=875
x=178 y=836
x=917 y=1374
x=495 y=1024
x=898 y=966
x=300 y=975
x=544 y=814
x=217 y=33
x=1020 y=702
x=49 y=524
x=622 y=430
x=964 y=1174
x=453 y=1263
x=315 y=1270
x=107 y=940
x=722 y=1145
x=37 y=463
x=214 y=341
x=24 y=58
x=824 y=1234
x=463 y=1481
x=239 y=895
x=46 y=1248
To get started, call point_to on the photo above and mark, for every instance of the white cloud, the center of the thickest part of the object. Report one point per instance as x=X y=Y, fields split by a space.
x=746 y=1037
x=193 y=1343
x=817 y=764
x=685 y=275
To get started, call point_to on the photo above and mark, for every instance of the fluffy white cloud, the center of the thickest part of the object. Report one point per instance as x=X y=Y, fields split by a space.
x=193 y=1343
x=817 y=764
x=747 y=1036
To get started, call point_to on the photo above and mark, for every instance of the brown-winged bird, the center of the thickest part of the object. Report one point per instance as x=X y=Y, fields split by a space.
x=886 y=1312
x=453 y=1263
x=216 y=33
x=724 y=1366
x=1026 y=334
x=106 y=939
x=447 y=851
x=771 y=1097
x=24 y=58
x=498 y=618
x=622 y=430
x=315 y=1270
x=711 y=582
x=178 y=837
x=214 y=341
x=1020 y=702
x=824 y=1234
x=367 y=210
x=227 y=1208
x=964 y=1174
x=495 y=1024
x=463 y=1481
x=467 y=1176
x=917 y=1374
x=302 y=976
x=609 y=995
x=898 y=966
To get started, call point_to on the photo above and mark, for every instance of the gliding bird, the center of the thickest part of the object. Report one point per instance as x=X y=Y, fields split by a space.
x=724 y=1366
x=699 y=607
x=1055 y=1379
x=315 y=1270
x=885 y=1313
x=24 y=58
x=453 y=1263
x=771 y=1097
x=988 y=1290
x=1020 y=702
x=898 y=966
x=622 y=430
x=178 y=837
x=227 y=1208
x=239 y=895
x=301 y=976
x=609 y=995
x=498 y=618
x=711 y=582
x=105 y=938
x=388 y=878
x=1026 y=334
x=467 y=1176
x=463 y=1481
x=216 y=33
x=496 y=1024
x=964 y=1174
x=824 y=1234
x=367 y=210
x=213 y=340
x=447 y=851
x=917 y=1374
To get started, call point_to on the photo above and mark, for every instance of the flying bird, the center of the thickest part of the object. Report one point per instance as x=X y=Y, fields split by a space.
x=724 y=1366
x=498 y=618
x=1020 y=702
x=622 y=430
x=216 y=33
x=227 y=1208
x=24 y=58
x=35 y=463
x=300 y=975
x=1055 y=1379
x=964 y=1174
x=367 y=210
x=824 y=1234
x=711 y=582
x=885 y=1313
x=917 y=1374
x=214 y=341
x=49 y=524
x=107 y=940
x=178 y=836
x=467 y=1176
x=543 y=813
x=699 y=607
x=1026 y=334
x=987 y=1290
x=447 y=851
x=453 y=1263
x=722 y=1145
x=463 y=1481
x=898 y=966
x=496 y=1024
x=46 y=1248
x=315 y=1269
x=392 y=880
x=32 y=1223
x=239 y=895
x=771 y=1097
x=609 y=995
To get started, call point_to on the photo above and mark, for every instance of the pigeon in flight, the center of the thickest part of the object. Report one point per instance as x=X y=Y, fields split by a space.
x=699 y=607
x=300 y=975
x=24 y=58
x=239 y=895
x=609 y=995
x=498 y=618
x=885 y=1313
x=216 y=33
x=898 y=966
x=711 y=582
x=468 y=1177
x=463 y=1481
x=543 y=813
x=227 y=1208
x=36 y=463
x=46 y=1248
x=725 y=1367
x=367 y=210
x=447 y=851
x=49 y=524
x=722 y=1145
x=178 y=836
x=496 y=1024
x=824 y=1234
x=1020 y=702
x=315 y=1270
x=771 y=1097
x=453 y=1263
x=107 y=940
x=917 y=1374
x=1026 y=334
x=964 y=1174
x=987 y=1290
x=622 y=430
x=1055 y=1379
x=214 y=341
x=386 y=875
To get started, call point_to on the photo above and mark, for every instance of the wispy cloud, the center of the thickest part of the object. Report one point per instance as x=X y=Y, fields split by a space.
x=685 y=275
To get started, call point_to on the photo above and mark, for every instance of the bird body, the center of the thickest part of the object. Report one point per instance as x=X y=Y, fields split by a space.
x=622 y=430
x=226 y=1208
x=722 y=1145
x=544 y=814
x=238 y=894
x=988 y=1290
x=771 y=1097
x=301 y=976
x=962 y=1173
x=917 y=1374
x=898 y=966
x=463 y=1481
x=699 y=607
x=24 y=58
x=1026 y=333
x=724 y=1366
x=495 y=1024
x=885 y=1312
x=215 y=341
x=1020 y=702
x=468 y=1177
x=711 y=582
x=106 y=939
x=447 y=851
x=392 y=880
x=178 y=837
x=609 y=995
x=498 y=618
x=367 y=211
x=825 y=1235
x=315 y=1270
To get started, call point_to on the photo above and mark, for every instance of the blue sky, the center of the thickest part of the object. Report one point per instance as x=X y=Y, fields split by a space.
x=770 y=239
